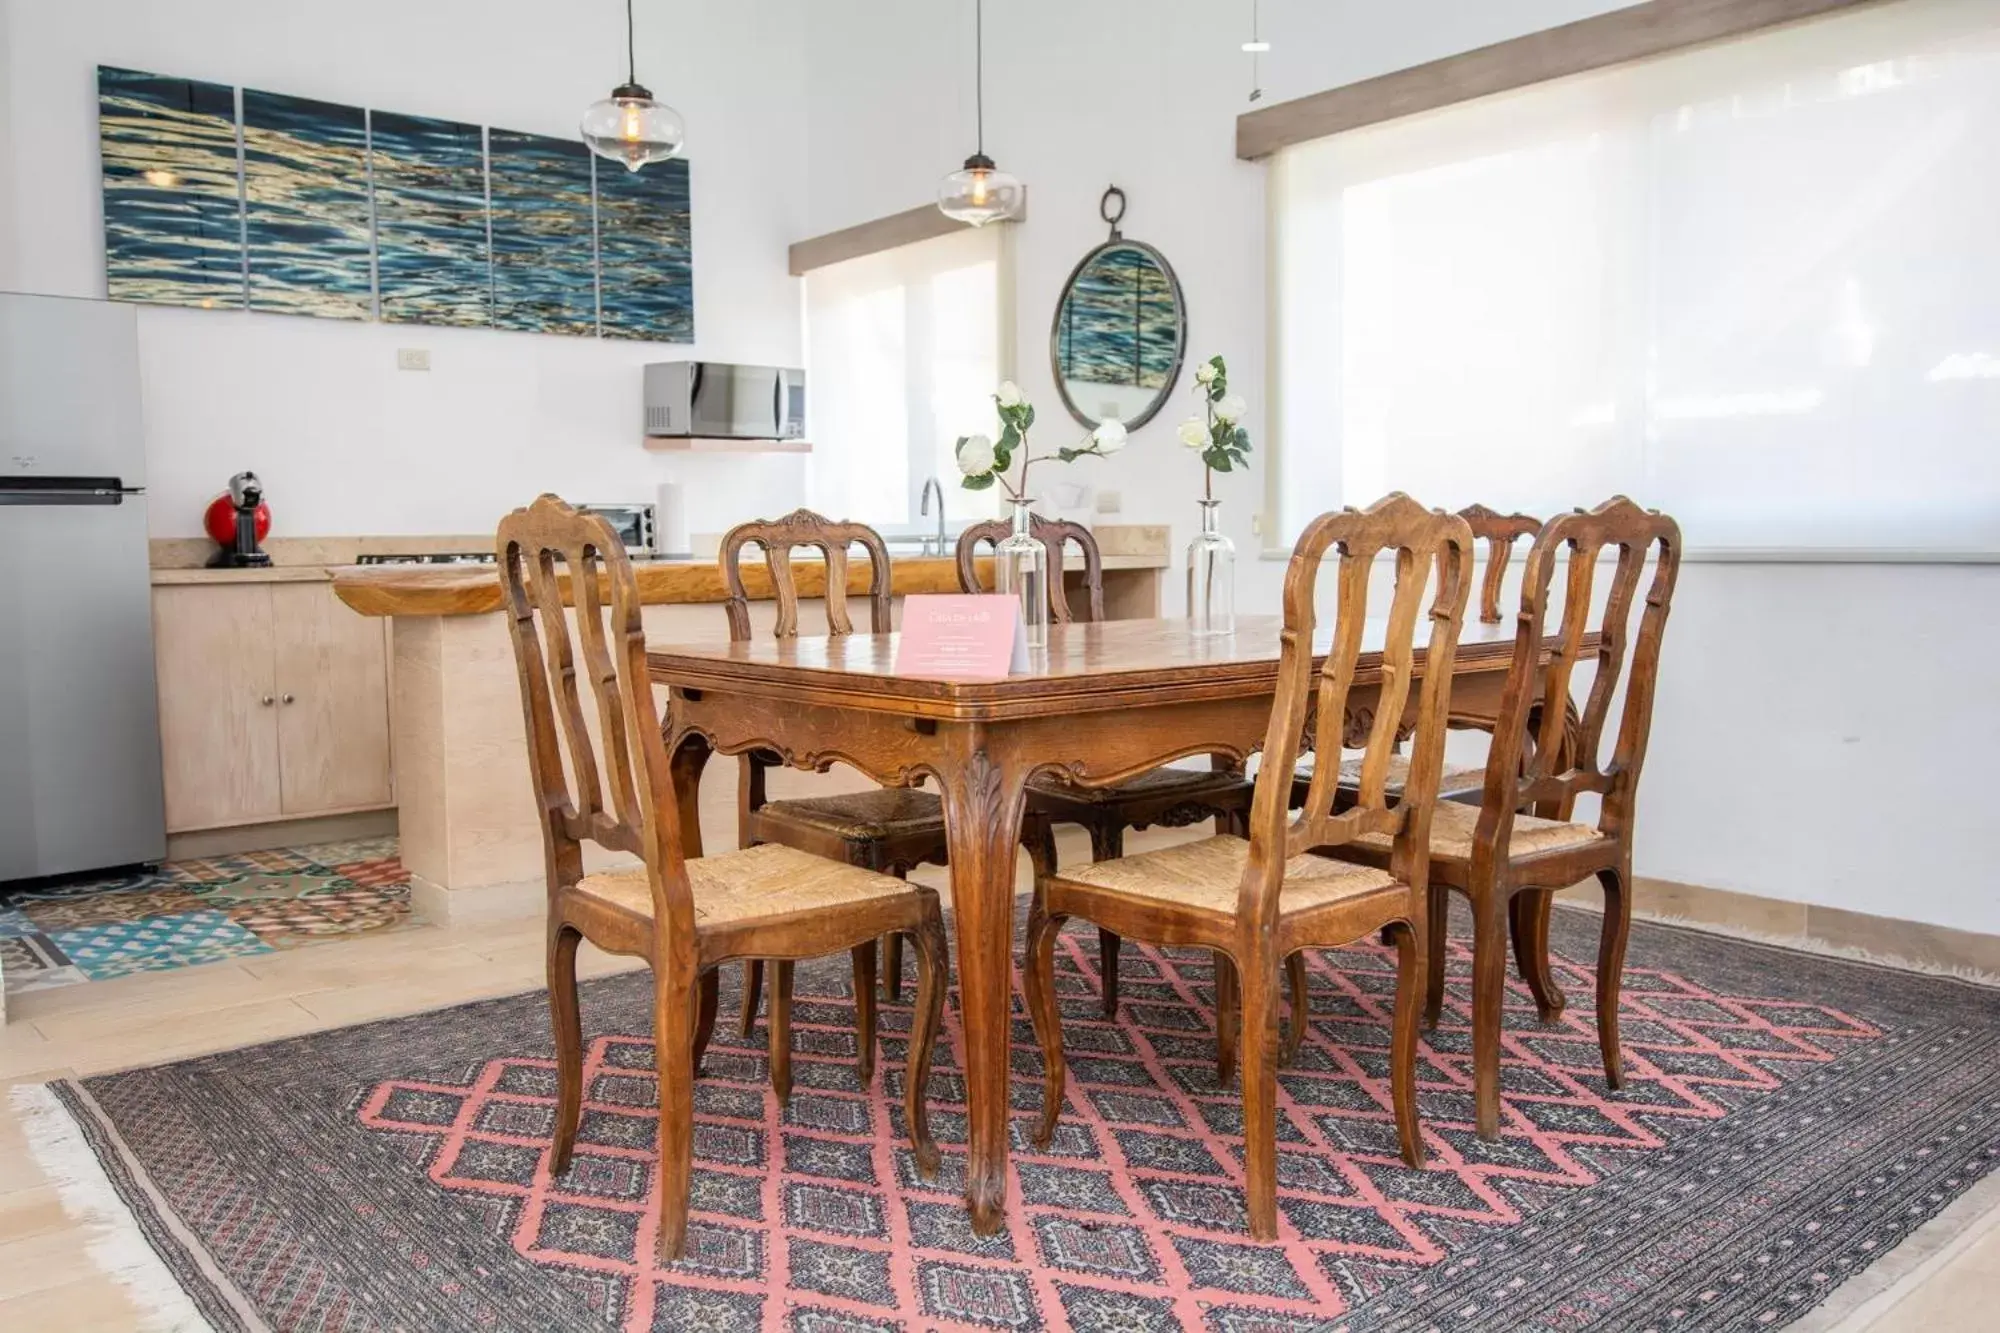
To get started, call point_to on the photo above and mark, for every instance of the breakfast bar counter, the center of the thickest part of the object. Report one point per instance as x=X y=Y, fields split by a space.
x=465 y=808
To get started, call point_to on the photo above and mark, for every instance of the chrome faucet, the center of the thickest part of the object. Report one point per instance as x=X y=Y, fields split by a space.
x=924 y=507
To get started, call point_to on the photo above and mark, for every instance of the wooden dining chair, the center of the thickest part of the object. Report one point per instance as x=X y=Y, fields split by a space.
x=887 y=829
x=1257 y=901
x=684 y=916
x=1170 y=797
x=1545 y=755
x=1499 y=532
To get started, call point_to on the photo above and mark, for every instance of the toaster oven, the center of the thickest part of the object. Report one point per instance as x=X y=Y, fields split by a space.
x=633 y=523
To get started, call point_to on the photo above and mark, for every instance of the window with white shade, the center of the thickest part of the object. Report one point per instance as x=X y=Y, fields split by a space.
x=903 y=352
x=1756 y=285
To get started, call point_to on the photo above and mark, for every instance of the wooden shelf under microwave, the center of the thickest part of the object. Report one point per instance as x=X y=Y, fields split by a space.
x=680 y=444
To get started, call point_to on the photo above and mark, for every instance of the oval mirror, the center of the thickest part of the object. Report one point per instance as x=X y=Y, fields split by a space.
x=1120 y=329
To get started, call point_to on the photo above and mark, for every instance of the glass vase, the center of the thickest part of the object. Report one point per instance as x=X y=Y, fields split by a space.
x=1021 y=567
x=1211 y=570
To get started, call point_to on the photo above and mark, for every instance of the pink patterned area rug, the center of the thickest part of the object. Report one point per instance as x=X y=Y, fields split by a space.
x=395 y=1175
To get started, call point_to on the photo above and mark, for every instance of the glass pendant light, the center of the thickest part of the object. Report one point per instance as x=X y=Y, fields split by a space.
x=979 y=192
x=629 y=127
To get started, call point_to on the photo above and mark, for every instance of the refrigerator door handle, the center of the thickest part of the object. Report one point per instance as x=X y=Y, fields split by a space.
x=65 y=490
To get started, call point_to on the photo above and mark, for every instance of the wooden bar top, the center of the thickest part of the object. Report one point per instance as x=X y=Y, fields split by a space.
x=470 y=590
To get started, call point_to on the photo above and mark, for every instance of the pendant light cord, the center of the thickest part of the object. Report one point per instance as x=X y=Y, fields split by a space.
x=978 y=70
x=631 y=56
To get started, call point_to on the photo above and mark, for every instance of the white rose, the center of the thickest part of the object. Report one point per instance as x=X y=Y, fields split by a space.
x=1231 y=408
x=1009 y=394
x=1109 y=437
x=975 y=456
x=1194 y=433
x=1205 y=373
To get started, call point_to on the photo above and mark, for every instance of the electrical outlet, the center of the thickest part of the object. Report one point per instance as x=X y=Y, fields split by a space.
x=413 y=358
x=1110 y=502
x=1257 y=524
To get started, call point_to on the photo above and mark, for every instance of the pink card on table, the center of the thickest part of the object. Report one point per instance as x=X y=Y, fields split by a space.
x=961 y=637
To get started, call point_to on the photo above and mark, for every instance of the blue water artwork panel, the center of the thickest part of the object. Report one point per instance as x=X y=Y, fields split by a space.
x=173 y=226
x=431 y=262
x=1120 y=321
x=544 y=259
x=645 y=254
x=305 y=202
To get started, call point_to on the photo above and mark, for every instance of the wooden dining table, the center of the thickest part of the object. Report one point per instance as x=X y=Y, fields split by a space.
x=1102 y=702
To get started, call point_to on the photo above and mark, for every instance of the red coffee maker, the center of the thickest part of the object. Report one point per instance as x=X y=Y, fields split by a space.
x=238 y=522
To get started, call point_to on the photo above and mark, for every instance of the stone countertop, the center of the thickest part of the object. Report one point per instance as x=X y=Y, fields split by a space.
x=266 y=574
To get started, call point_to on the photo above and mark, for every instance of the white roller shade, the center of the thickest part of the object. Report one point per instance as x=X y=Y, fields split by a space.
x=1757 y=285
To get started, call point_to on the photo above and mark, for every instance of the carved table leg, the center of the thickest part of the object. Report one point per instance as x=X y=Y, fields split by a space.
x=690 y=758
x=984 y=790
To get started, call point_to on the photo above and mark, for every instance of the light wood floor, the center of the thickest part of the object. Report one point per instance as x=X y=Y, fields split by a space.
x=48 y=1281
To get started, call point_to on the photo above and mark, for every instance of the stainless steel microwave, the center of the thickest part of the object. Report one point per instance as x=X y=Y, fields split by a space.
x=719 y=401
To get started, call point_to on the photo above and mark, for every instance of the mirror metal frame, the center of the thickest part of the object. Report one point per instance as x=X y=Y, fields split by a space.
x=1120 y=242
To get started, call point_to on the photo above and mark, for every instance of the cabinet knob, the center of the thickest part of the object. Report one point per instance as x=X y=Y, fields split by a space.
x=288 y=699
x=267 y=701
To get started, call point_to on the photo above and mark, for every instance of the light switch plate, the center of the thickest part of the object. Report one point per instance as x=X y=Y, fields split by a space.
x=413 y=358
x=1110 y=502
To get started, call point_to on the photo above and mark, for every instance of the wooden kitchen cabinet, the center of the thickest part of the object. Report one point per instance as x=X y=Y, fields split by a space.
x=274 y=703
x=332 y=673
x=218 y=704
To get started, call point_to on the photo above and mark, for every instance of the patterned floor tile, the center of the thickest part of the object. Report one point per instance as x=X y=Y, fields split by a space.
x=100 y=909
x=197 y=911
x=344 y=909
x=156 y=944
x=35 y=962
x=342 y=853
x=264 y=886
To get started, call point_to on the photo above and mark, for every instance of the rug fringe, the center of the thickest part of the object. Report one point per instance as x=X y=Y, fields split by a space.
x=115 y=1243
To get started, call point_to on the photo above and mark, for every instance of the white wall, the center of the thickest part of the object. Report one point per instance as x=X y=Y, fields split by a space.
x=346 y=443
x=1821 y=731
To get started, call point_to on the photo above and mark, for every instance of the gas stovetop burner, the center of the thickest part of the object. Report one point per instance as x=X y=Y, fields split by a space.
x=431 y=558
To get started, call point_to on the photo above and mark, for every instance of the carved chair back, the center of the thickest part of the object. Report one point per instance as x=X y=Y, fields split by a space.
x=779 y=538
x=613 y=788
x=1535 y=724
x=1433 y=553
x=1499 y=532
x=1055 y=536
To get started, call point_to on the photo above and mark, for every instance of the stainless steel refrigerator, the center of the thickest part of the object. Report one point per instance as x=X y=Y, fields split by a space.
x=79 y=709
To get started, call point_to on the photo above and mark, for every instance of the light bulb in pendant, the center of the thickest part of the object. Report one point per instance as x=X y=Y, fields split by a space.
x=979 y=192
x=630 y=128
